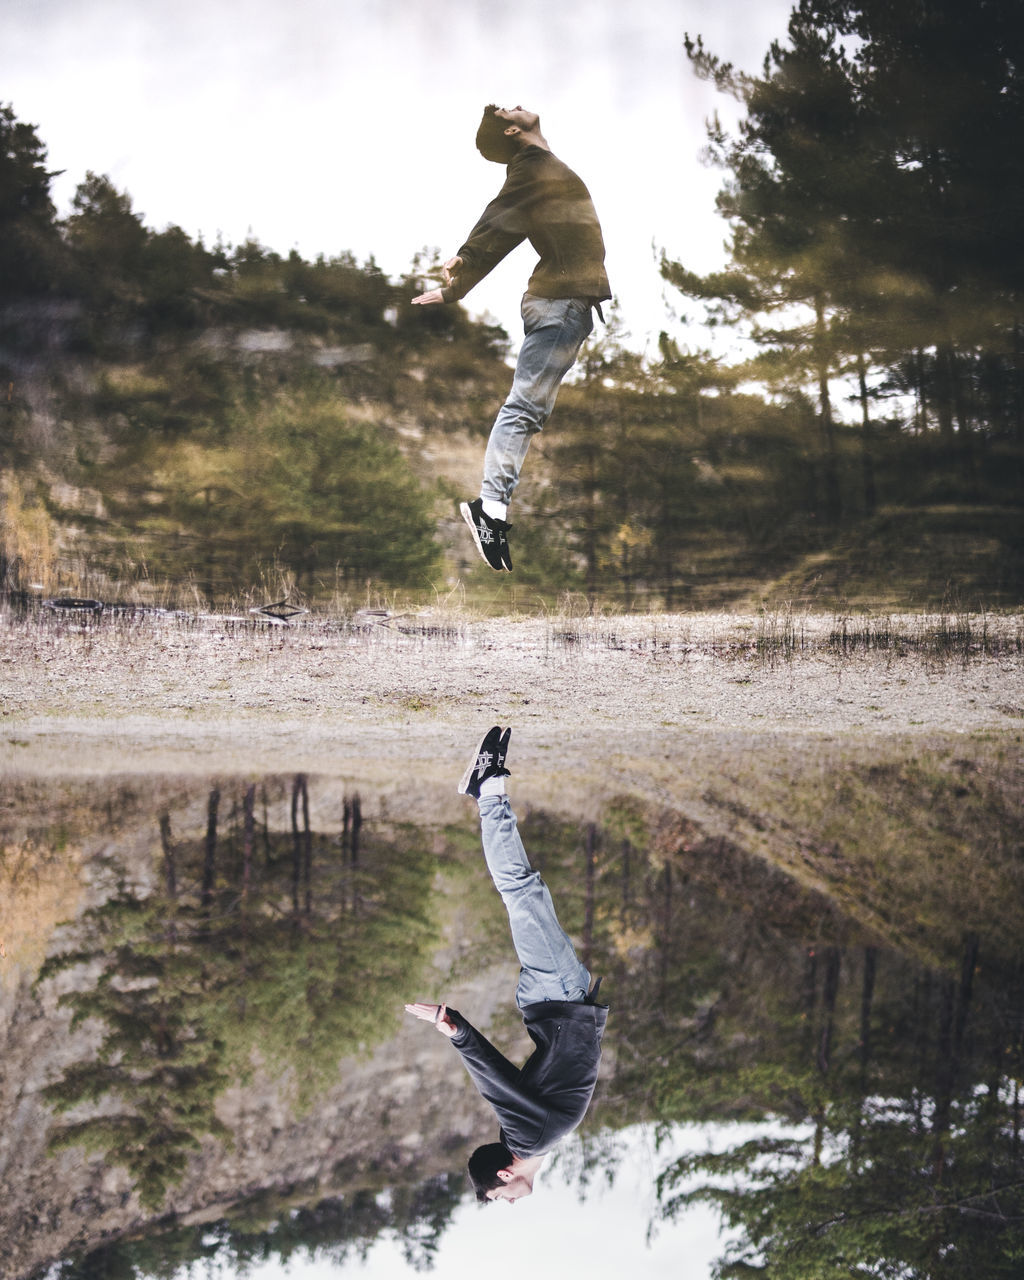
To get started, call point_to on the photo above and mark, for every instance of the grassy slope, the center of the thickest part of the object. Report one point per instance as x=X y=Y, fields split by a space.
x=918 y=841
x=926 y=557
x=906 y=558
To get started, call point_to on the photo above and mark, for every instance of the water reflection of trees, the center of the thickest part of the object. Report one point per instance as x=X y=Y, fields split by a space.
x=281 y=943
x=908 y=1158
x=898 y=1089
x=335 y=1230
x=885 y=1098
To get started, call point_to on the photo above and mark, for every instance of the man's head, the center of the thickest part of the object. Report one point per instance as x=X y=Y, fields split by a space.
x=492 y=1168
x=505 y=130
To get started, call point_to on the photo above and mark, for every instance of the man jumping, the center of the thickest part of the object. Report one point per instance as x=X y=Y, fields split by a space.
x=540 y=1103
x=542 y=201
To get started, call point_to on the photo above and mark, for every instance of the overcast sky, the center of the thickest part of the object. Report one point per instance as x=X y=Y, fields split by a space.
x=332 y=125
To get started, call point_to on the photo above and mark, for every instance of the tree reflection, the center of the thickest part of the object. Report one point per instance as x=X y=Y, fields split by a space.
x=907 y=1160
x=880 y=1101
x=888 y=1095
x=334 y=1230
x=285 y=954
x=158 y=1069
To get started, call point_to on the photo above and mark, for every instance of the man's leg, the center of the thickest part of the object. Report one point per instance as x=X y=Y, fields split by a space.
x=554 y=329
x=549 y=967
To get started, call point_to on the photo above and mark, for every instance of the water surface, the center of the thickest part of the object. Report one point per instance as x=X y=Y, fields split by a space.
x=207 y=1069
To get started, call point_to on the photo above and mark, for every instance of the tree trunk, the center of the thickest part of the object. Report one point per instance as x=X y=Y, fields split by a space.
x=833 y=497
x=170 y=876
x=866 y=1000
x=944 y=362
x=867 y=996
x=921 y=394
x=828 y=1001
x=867 y=439
x=248 y=838
x=307 y=849
x=809 y=997
x=352 y=820
x=297 y=787
x=170 y=872
x=945 y=1076
x=590 y=530
x=210 y=856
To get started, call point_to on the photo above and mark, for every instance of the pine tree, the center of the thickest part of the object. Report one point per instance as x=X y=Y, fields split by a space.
x=29 y=238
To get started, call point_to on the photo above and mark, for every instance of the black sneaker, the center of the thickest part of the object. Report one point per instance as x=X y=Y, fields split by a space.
x=490 y=535
x=485 y=763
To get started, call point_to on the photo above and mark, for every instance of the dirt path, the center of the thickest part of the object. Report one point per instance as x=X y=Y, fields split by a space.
x=626 y=698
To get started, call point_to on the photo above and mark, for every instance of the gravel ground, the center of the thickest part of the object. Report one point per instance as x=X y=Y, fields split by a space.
x=397 y=703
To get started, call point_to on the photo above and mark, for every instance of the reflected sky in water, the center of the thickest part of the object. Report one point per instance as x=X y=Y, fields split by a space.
x=603 y=1235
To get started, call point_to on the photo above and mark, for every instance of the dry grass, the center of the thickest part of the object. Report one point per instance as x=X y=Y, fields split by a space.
x=39 y=887
x=918 y=839
x=28 y=551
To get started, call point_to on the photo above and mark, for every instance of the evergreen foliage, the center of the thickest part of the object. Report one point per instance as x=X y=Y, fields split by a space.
x=885 y=1096
x=158 y=1071
x=29 y=238
x=189 y=983
x=872 y=186
x=291 y=480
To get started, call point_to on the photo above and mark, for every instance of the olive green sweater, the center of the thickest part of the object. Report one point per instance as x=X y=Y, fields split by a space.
x=542 y=201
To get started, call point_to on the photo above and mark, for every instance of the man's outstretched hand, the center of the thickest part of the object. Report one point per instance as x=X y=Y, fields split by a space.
x=435 y=1013
x=450 y=270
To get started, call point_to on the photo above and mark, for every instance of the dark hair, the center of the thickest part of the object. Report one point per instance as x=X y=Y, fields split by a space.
x=490 y=137
x=484 y=1164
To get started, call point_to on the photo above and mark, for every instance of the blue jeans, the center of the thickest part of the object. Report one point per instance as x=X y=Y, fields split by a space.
x=549 y=967
x=555 y=329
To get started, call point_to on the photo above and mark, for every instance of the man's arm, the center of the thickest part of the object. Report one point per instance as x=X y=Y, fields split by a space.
x=473 y=1047
x=521 y=1115
x=500 y=228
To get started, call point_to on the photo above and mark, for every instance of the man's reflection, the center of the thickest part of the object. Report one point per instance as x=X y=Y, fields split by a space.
x=540 y=1103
